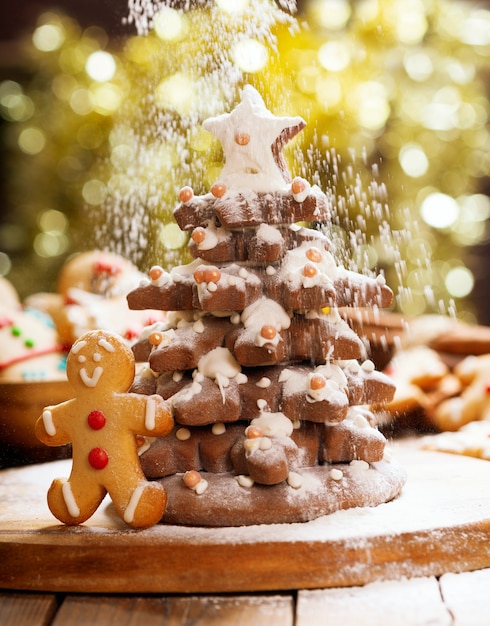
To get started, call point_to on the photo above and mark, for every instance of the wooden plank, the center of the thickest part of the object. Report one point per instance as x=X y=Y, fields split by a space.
x=419 y=534
x=414 y=602
x=176 y=611
x=467 y=597
x=34 y=609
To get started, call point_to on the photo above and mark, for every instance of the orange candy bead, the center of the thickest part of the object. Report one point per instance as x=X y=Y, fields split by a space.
x=155 y=272
x=218 y=190
x=199 y=276
x=317 y=382
x=309 y=270
x=254 y=432
x=314 y=255
x=198 y=235
x=212 y=275
x=191 y=478
x=268 y=331
x=298 y=185
x=155 y=338
x=186 y=194
x=242 y=139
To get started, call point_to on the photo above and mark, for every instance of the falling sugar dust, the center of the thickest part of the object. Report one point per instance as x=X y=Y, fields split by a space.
x=189 y=61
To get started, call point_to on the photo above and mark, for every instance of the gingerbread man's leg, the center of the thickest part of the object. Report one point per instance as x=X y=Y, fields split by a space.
x=141 y=503
x=72 y=501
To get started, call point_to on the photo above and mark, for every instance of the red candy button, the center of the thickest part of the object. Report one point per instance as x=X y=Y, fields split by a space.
x=96 y=420
x=98 y=458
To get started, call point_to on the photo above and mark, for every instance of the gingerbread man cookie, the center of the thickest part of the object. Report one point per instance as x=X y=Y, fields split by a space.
x=102 y=422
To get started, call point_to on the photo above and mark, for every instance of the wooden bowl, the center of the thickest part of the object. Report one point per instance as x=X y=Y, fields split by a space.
x=21 y=403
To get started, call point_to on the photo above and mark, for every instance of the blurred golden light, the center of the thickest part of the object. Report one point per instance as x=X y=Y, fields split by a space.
x=475 y=28
x=169 y=24
x=440 y=113
x=94 y=192
x=171 y=237
x=48 y=37
x=107 y=98
x=82 y=102
x=232 y=6
x=5 y=264
x=334 y=56
x=201 y=140
x=50 y=244
x=250 y=55
x=439 y=210
x=176 y=92
x=329 y=91
x=331 y=14
x=52 y=221
x=459 y=282
x=413 y=160
x=418 y=65
x=100 y=66
x=15 y=106
x=412 y=26
x=122 y=156
x=32 y=140
x=90 y=135
x=475 y=207
x=63 y=85
x=373 y=108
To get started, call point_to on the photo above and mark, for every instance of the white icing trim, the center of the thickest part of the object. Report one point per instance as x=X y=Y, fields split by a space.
x=78 y=346
x=48 y=423
x=69 y=499
x=150 y=413
x=133 y=502
x=103 y=343
x=91 y=381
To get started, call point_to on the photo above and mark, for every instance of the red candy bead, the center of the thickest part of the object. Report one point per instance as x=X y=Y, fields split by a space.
x=131 y=333
x=487 y=389
x=96 y=420
x=98 y=458
x=103 y=266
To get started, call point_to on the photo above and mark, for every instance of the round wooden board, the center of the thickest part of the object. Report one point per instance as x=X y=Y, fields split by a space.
x=440 y=523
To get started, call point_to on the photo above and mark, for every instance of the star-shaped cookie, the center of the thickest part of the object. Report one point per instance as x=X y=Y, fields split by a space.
x=252 y=139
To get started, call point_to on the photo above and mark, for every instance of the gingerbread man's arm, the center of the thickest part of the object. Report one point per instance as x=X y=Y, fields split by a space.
x=152 y=415
x=47 y=428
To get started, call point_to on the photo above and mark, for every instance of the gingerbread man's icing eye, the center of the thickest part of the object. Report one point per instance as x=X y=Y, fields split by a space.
x=97 y=357
x=82 y=358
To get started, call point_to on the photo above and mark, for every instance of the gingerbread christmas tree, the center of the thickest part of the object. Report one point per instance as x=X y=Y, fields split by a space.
x=270 y=388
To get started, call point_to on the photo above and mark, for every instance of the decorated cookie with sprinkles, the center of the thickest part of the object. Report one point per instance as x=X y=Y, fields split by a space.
x=103 y=422
x=30 y=350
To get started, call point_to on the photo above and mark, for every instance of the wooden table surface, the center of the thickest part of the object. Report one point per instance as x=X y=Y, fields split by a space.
x=452 y=600
x=455 y=593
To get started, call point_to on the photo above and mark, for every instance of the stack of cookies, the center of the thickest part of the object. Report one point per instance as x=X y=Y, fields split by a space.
x=270 y=388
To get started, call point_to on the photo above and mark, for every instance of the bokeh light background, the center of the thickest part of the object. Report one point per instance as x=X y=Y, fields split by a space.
x=99 y=133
